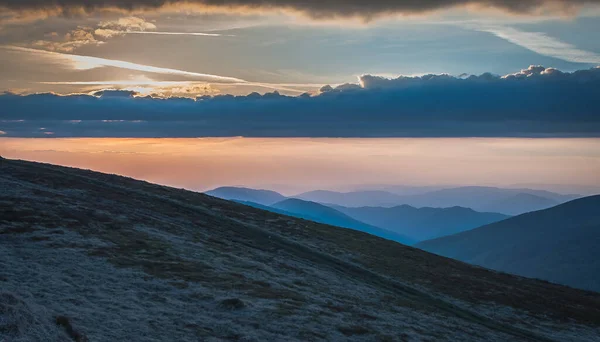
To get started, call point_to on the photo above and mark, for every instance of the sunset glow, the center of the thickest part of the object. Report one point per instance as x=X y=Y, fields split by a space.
x=291 y=165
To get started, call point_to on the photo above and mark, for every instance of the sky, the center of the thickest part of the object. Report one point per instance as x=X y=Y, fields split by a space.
x=207 y=47
x=77 y=72
x=295 y=165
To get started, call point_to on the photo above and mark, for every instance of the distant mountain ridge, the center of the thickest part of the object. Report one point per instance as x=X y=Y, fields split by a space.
x=322 y=214
x=374 y=198
x=483 y=199
x=423 y=223
x=403 y=223
x=520 y=203
x=264 y=197
x=559 y=244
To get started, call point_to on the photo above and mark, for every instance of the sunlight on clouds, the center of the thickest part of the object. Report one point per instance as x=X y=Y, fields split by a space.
x=79 y=62
x=85 y=35
x=145 y=86
x=69 y=42
x=128 y=24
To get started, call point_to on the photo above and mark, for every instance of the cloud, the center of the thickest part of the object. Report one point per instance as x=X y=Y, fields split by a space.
x=122 y=26
x=79 y=62
x=69 y=42
x=127 y=24
x=314 y=9
x=115 y=93
x=152 y=78
x=543 y=44
x=84 y=35
x=534 y=102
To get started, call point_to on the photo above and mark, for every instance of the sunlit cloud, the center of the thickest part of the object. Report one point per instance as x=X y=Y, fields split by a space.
x=69 y=42
x=135 y=82
x=543 y=44
x=78 y=62
x=189 y=89
x=128 y=24
x=85 y=35
x=122 y=26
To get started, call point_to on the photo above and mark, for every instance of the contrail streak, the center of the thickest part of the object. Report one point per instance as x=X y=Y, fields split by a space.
x=180 y=33
x=543 y=44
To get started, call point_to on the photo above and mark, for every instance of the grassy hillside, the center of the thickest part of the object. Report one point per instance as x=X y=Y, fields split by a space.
x=93 y=256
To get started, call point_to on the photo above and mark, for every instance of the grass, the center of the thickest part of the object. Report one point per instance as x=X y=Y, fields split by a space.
x=353 y=330
x=65 y=323
x=137 y=261
x=232 y=304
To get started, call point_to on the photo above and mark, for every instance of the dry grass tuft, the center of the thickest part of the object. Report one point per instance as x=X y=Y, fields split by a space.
x=64 y=322
x=232 y=304
x=353 y=330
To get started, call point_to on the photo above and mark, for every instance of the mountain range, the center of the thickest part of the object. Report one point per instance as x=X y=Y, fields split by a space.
x=404 y=224
x=422 y=223
x=88 y=256
x=264 y=197
x=323 y=214
x=485 y=199
x=559 y=244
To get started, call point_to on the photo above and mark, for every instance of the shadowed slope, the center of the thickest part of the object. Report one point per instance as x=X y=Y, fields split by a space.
x=559 y=244
x=422 y=223
x=128 y=260
x=324 y=214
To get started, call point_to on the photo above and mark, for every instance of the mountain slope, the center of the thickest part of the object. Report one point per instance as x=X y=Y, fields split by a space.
x=521 y=203
x=323 y=214
x=559 y=244
x=115 y=259
x=264 y=197
x=422 y=223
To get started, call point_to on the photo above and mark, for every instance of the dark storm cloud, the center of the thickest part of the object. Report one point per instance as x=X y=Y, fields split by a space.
x=535 y=102
x=314 y=8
